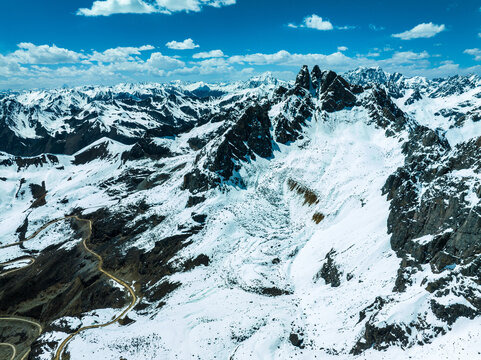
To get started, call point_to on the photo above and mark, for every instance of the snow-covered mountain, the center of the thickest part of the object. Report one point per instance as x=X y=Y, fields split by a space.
x=335 y=217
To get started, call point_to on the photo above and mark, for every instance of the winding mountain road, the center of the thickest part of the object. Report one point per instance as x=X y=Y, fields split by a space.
x=29 y=258
x=14 y=349
x=64 y=343
x=100 y=268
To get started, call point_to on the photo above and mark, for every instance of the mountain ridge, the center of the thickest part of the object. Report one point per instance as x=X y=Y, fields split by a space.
x=250 y=213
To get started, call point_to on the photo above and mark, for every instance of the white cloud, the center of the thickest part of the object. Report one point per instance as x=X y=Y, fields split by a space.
x=409 y=56
x=209 y=54
x=187 y=44
x=408 y=62
x=248 y=70
x=316 y=22
x=284 y=57
x=425 y=30
x=206 y=67
x=159 y=61
x=34 y=66
x=109 y=7
x=475 y=52
x=213 y=62
x=51 y=66
x=119 y=54
x=29 y=53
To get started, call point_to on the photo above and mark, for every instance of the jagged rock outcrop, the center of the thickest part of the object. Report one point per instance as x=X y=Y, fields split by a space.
x=247 y=137
x=431 y=219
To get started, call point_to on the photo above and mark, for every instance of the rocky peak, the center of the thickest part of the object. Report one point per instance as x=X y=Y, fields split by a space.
x=303 y=79
x=365 y=76
x=326 y=80
x=316 y=75
x=263 y=79
x=247 y=136
x=335 y=92
x=384 y=112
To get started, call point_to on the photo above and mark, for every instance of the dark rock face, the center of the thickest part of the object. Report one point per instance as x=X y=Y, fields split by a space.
x=316 y=75
x=296 y=112
x=202 y=259
x=329 y=271
x=100 y=151
x=248 y=136
x=303 y=79
x=295 y=340
x=380 y=338
x=332 y=90
x=384 y=113
x=416 y=96
x=146 y=148
x=38 y=193
x=440 y=214
x=36 y=161
x=335 y=92
x=198 y=181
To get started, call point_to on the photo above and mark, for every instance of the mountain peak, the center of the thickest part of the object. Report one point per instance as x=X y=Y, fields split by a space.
x=366 y=76
x=303 y=79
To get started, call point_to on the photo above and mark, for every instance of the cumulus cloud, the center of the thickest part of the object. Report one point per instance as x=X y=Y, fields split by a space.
x=187 y=44
x=248 y=70
x=212 y=62
x=425 y=30
x=408 y=56
x=209 y=54
x=119 y=54
x=48 y=65
x=316 y=22
x=33 y=65
x=474 y=52
x=109 y=7
x=408 y=62
x=29 y=53
x=159 y=61
x=284 y=57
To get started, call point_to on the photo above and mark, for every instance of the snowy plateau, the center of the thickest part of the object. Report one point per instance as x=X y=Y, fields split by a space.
x=336 y=216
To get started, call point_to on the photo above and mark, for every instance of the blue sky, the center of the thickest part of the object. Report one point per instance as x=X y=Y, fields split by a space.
x=53 y=43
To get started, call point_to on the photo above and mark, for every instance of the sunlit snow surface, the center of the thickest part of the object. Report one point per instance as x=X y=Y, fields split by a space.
x=218 y=311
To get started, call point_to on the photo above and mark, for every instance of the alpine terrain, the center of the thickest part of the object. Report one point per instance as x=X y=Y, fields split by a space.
x=337 y=216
